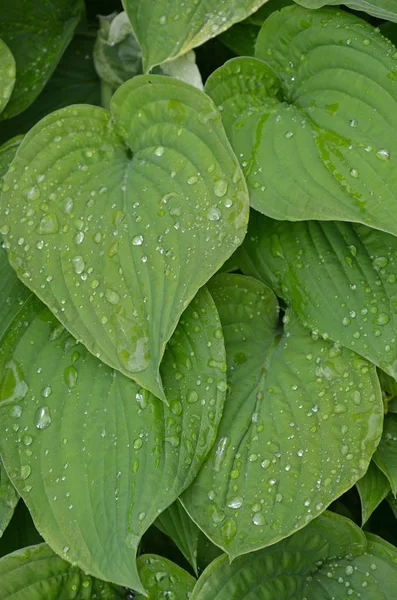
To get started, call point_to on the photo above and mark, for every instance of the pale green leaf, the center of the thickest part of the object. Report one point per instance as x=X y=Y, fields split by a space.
x=162 y=578
x=74 y=81
x=185 y=69
x=324 y=130
x=382 y=9
x=149 y=203
x=329 y=559
x=95 y=457
x=7 y=74
x=299 y=427
x=8 y=499
x=339 y=278
x=386 y=455
x=165 y=29
x=176 y=523
x=373 y=489
x=37 y=32
x=36 y=573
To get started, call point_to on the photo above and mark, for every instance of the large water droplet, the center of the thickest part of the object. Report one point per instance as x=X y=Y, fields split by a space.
x=43 y=417
x=49 y=224
x=220 y=187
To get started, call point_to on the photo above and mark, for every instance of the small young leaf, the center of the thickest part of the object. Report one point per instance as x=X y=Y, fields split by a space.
x=7 y=74
x=373 y=489
x=8 y=499
x=385 y=456
x=176 y=523
x=300 y=424
x=162 y=578
x=36 y=573
x=37 y=32
x=382 y=9
x=95 y=457
x=165 y=29
x=118 y=245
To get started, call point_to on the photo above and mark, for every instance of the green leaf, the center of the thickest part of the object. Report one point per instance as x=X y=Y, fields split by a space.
x=165 y=29
x=20 y=531
x=323 y=126
x=7 y=153
x=176 y=523
x=382 y=9
x=37 y=32
x=146 y=210
x=299 y=427
x=162 y=578
x=327 y=559
x=386 y=455
x=241 y=39
x=36 y=573
x=7 y=74
x=95 y=457
x=74 y=81
x=8 y=499
x=258 y=17
x=339 y=278
x=373 y=489
x=13 y=294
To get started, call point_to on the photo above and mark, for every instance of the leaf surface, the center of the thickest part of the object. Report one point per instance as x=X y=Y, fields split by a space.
x=382 y=9
x=95 y=457
x=162 y=578
x=37 y=32
x=165 y=29
x=128 y=218
x=36 y=573
x=339 y=278
x=299 y=427
x=385 y=456
x=176 y=523
x=325 y=130
x=7 y=74
x=373 y=489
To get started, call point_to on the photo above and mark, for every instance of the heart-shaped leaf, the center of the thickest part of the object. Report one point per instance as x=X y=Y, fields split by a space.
x=386 y=455
x=176 y=523
x=372 y=489
x=95 y=457
x=7 y=74
x=382 y=9
x=124 y=218
x=301 y=421
x=325 y=560
x=39 y=574
x=165 y=29
x=312 y=121
x=37 y=32
x=339 y=278
x=162 y=578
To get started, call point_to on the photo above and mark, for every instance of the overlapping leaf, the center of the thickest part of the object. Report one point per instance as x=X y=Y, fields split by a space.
x=36 y=573
x=162 y=578
x=312 y=121
x=373 y=489
x=177 y=524
x=7 y=74
x=330 y=558
x=386 y=455
x=124 y=218
x=37 y=33
x=301 y=422
x=339 y=278
x=95 y=457
x=382 y=9
x=165 y=29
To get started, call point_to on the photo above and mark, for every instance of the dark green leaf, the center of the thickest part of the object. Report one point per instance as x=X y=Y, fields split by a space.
x=373 y=489
x=386 y=455
x=176 y=523
x=7 y=74
x=162 y=578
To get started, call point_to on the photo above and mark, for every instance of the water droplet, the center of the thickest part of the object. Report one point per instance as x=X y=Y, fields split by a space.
x=70 y=376
x=79 y=237
x=25 y=471
x=78 y=264
x=192 y=396
x=258 y=519
x=220 y=187
x=381 y=319
x=112 y=296
x=354 y=173
x=229 y=529
x=43 y=417
x=137 y=240
x=159 y=151
x=214 y=214
x=383 y=154
x=235 y=502
x=48 y=224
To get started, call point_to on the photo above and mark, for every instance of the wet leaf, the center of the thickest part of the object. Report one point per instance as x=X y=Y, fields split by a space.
x=382 y=9
x=36 y=573
x=162 y=578
x=7 y=74
x=386 y=455
x=373 y=489
x=37 y=32
x=126 y=218
x=8 y=499
x=313 y=118
x=165 y=29
x=300 y=424
x=176 y=523
x=7 y=153
x=95 y=457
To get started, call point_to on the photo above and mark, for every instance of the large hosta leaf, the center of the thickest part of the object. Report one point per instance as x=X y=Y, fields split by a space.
x=301 y=422
x=95 y=457
x=37 y=33
x=339 y=278
x=383 y=9
x=330 y=558
x=162 y=578
x=165 y=29
x=36 y=573
x=7 y=74
x=123 y=218
x=176 y=523
x=312 y=121
x=386 y=454
x=8 y=499
x=373 y=489
x=7 y=153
